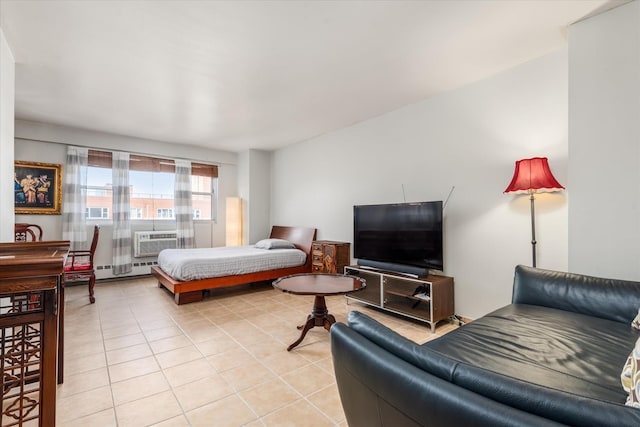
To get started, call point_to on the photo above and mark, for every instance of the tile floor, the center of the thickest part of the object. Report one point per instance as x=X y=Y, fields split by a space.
x=134 y=358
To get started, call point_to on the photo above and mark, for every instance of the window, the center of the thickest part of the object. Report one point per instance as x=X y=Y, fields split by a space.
x=164 y=213
x=136 y=213
x=151 y=185
x=201 y=192
x=204 y=181
x=97 y=213
x=152 y=193
x=99 y=192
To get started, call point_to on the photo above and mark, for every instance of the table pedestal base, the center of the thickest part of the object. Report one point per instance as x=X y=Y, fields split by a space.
x=319 y=317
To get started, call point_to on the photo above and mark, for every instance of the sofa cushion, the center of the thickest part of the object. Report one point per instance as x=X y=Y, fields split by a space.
x=557 y=364
x=558 y=349
x=566 y=351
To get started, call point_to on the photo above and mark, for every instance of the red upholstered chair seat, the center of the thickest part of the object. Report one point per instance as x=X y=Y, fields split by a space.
x=78 y=266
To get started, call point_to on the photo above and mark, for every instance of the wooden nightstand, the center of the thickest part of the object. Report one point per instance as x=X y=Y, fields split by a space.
x=330 y=257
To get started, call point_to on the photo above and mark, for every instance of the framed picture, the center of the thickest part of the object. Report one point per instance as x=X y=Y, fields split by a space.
x=37 y=188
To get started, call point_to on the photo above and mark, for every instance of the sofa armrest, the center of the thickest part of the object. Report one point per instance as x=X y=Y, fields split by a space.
x=415 y=354
x=617 y=300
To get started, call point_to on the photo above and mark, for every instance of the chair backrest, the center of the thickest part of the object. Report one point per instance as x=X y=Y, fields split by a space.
x=94 y=241
x=27 y=232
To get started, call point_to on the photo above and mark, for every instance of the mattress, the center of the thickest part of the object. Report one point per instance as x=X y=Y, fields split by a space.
x=205 y=263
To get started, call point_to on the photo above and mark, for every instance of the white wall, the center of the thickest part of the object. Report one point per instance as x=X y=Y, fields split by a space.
x=260 y=195
x=7 y=98
x=604 y=129
x=469 y=138
x=254 y=186
x=244 y=190
x=41 y=142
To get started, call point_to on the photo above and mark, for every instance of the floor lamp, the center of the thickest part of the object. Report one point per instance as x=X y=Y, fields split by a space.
x=234 y=236
x=532 y=176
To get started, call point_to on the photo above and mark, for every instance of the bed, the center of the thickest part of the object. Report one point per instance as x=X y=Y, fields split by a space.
x=191 y=290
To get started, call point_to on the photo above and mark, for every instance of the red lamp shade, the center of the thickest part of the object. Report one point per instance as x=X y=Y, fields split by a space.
x=532 y=175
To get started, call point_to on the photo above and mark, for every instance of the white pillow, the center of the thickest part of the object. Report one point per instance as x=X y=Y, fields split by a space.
x=275 y=244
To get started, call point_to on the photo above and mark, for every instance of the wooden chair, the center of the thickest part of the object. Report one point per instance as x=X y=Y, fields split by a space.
x=79 y=266
x=27 y=232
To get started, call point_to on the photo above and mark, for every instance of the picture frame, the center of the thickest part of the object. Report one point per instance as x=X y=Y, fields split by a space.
x=37 y=188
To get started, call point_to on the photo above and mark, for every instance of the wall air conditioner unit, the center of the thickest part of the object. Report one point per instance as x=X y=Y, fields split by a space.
x=150 y=243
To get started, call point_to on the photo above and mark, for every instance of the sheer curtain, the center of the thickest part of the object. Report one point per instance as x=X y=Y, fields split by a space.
x=182 y=204
x=121 y=212
x=74 y=204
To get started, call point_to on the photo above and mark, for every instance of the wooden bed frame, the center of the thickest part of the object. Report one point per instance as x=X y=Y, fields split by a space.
x=192 y=291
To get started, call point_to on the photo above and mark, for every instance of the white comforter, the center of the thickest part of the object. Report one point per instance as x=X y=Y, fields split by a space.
x=203 y=263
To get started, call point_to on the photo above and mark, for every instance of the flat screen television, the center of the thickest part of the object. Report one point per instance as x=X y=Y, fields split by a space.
x=402 y=234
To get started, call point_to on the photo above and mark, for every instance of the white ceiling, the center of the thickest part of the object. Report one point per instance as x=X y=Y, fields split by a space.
x=235 y=75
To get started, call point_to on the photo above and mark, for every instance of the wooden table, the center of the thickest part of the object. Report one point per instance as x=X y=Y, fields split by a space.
x=319 y=285
x=31 y=328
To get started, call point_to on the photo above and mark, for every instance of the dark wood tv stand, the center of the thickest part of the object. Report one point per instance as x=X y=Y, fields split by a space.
x=393 y=292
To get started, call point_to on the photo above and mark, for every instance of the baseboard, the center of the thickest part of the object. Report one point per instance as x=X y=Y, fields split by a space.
x=138 y=269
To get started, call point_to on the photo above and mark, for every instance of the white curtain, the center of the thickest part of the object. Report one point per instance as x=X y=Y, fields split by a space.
x=121 y=212
x=182 y=204
x=74 y=205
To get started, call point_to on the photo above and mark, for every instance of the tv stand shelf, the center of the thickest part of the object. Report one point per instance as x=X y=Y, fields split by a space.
x=411 y=297
x=394 y=292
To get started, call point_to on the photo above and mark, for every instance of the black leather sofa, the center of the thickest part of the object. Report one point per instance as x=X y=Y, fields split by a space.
x=552 y=357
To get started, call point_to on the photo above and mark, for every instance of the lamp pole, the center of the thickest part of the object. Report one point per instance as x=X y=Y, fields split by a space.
x=533 y=228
